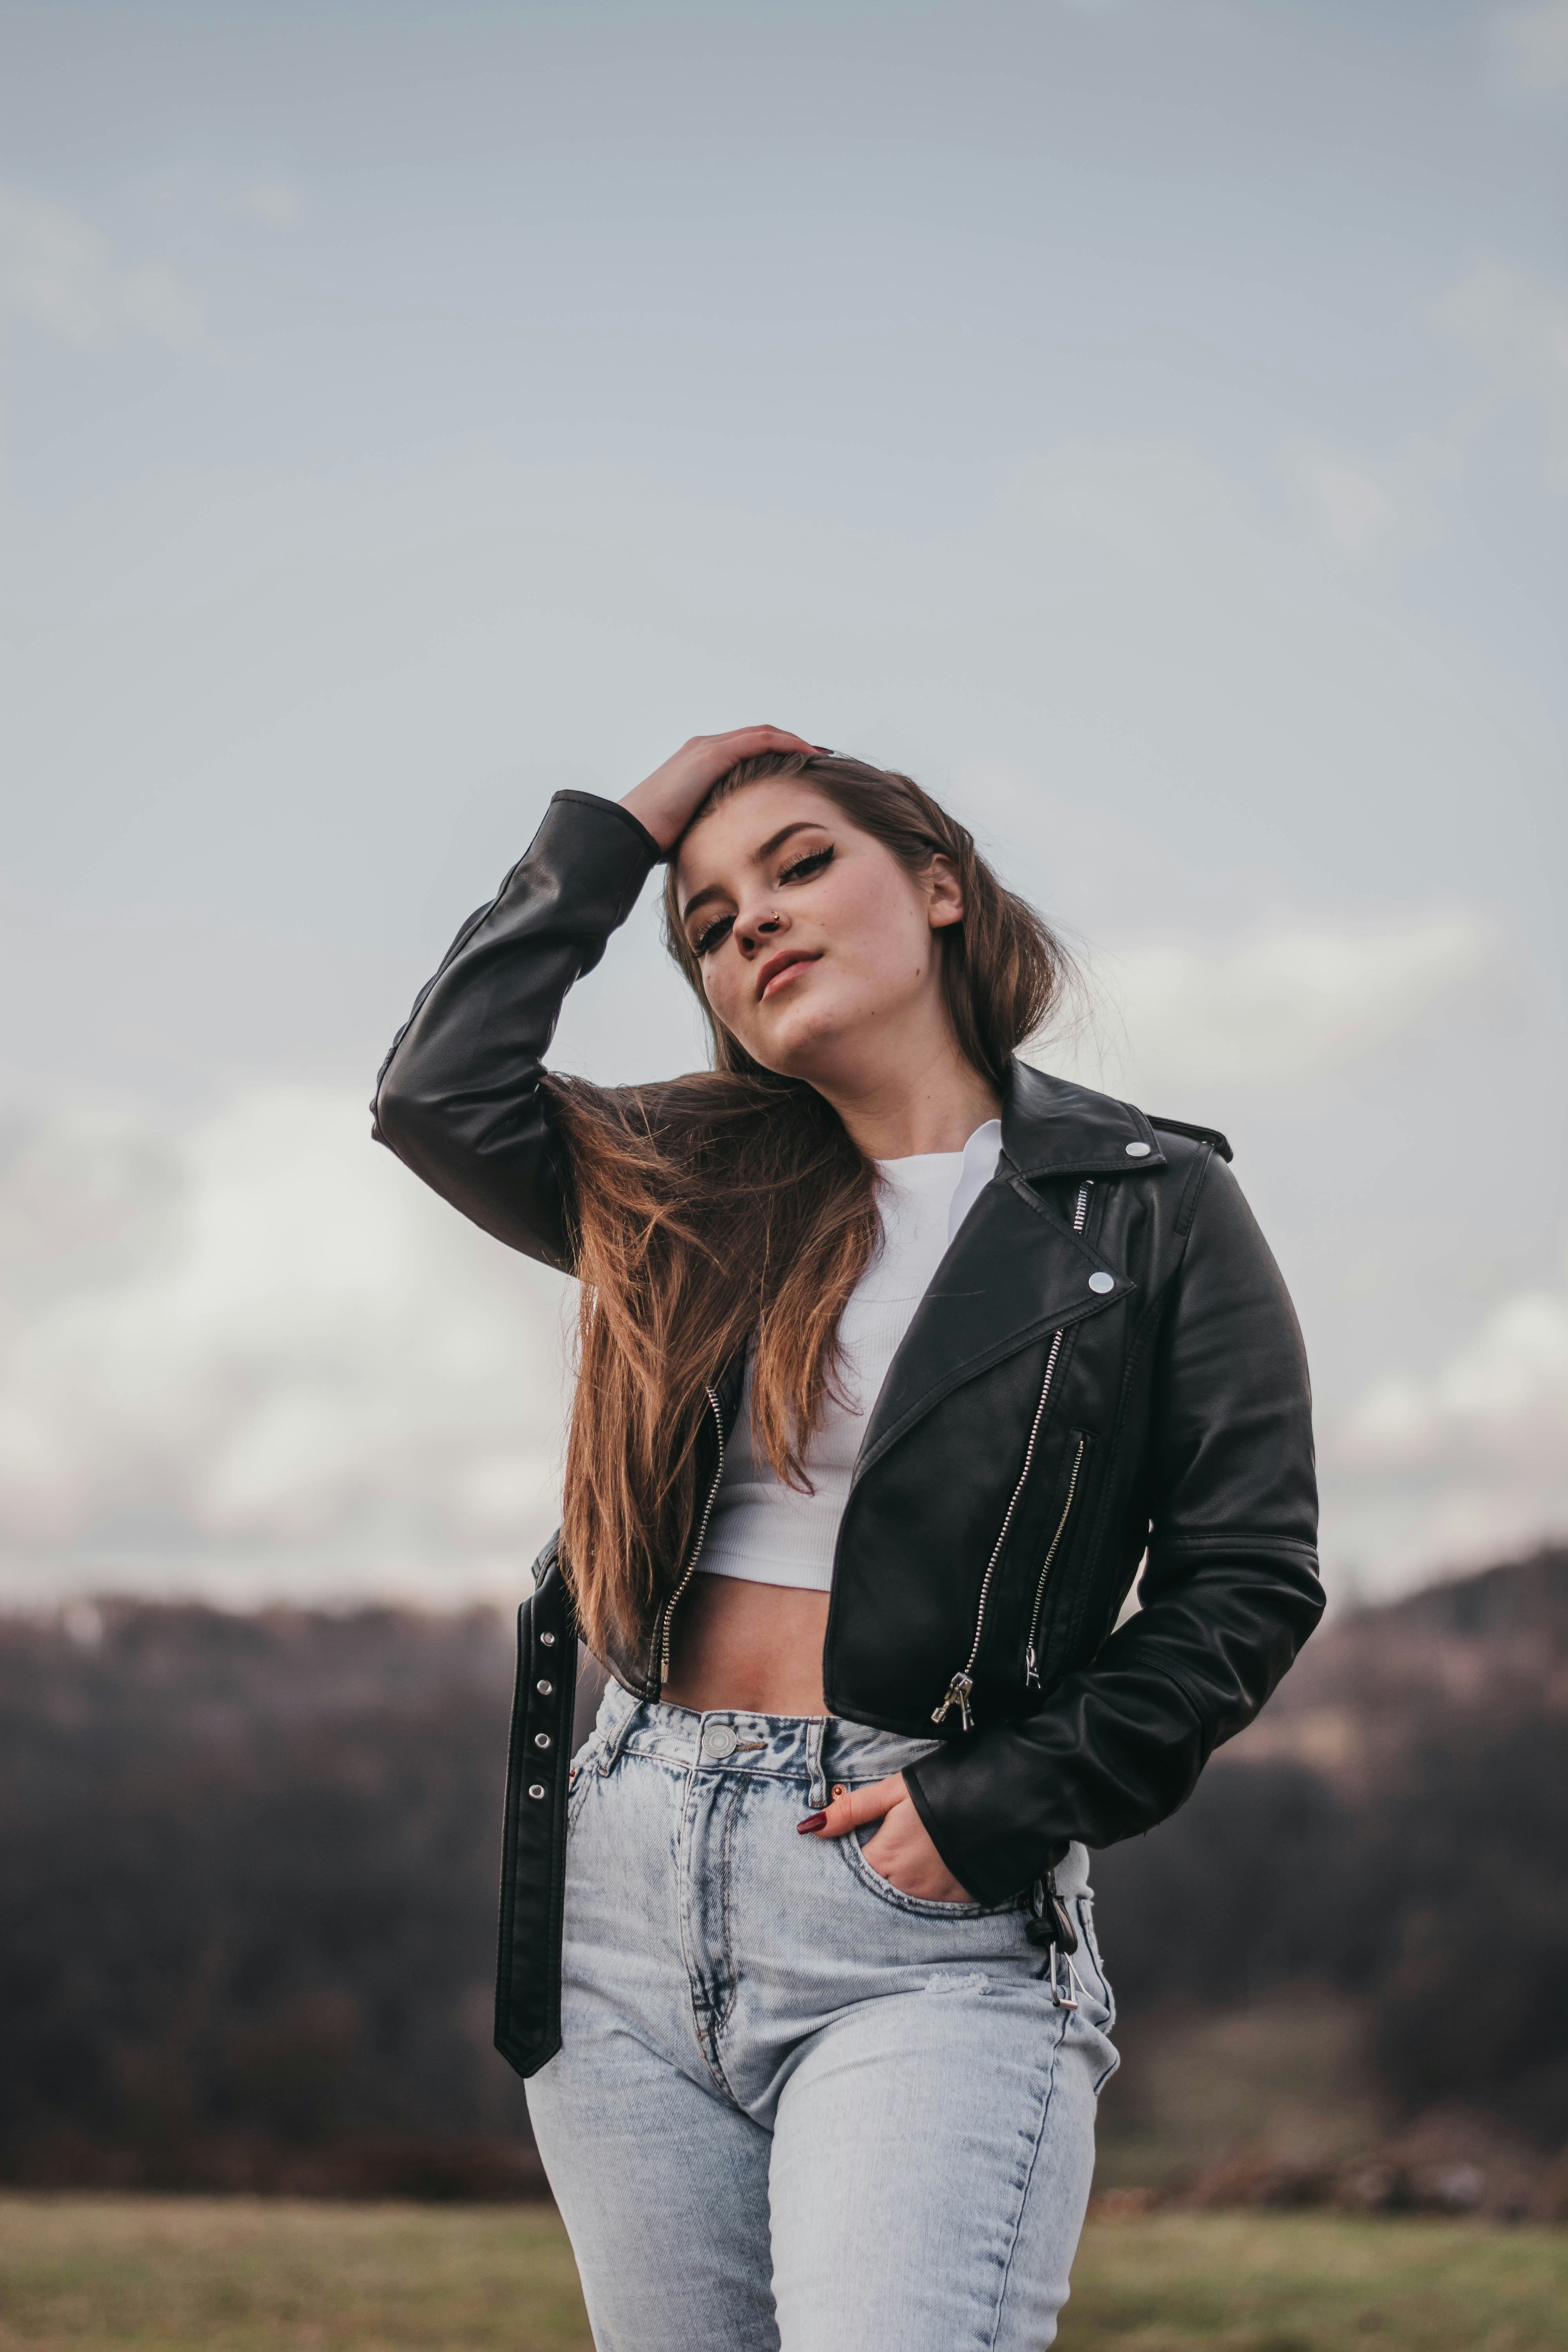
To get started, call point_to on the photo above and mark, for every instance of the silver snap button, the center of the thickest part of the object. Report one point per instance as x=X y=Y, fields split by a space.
x=537 y=1790
x=547 y=1640
x=719 y=1739
x=544 y=1689
x=1102 y=1283
x=1139 y=1150
x=542 y=1740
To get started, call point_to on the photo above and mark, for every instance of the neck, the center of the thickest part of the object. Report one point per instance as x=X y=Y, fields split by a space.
x=894 y=1114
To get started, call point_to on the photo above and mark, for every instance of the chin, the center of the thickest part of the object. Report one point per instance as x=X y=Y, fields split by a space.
x=782 y=1060
x=802 y=1045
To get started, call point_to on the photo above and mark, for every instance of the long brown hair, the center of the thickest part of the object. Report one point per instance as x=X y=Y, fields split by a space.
x=735 y=1201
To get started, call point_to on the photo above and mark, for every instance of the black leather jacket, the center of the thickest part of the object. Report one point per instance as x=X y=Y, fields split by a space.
x=1106 y=1365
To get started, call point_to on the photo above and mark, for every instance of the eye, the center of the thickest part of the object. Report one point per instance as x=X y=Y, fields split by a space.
x=803 y=868
x=714 y=936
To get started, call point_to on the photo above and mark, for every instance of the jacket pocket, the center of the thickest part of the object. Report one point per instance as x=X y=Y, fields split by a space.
x=1081 y=1445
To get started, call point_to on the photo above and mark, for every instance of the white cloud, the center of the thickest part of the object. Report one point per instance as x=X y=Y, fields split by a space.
x=60 y=273
x=1539 y=37
x=1503 y=1394
x=1363 y=506
x=1357 y=510
x=278 y=206
x=1289 y=1003
x=1469 y=1462
x=257 y=1356
x=1515 y=326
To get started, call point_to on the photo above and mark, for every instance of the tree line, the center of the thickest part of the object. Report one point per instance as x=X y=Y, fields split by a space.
x=247 y=1872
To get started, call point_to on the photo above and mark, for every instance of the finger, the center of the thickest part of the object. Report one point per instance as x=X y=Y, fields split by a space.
x=848 y=1808
x=778 y=739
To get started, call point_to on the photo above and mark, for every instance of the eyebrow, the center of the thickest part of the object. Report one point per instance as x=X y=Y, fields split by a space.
x=774 y=841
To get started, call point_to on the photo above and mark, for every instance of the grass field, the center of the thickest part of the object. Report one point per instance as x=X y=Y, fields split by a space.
x=170 y=2275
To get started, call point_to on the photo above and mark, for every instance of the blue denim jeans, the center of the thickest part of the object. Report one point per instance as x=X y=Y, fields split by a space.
x=794 y=2107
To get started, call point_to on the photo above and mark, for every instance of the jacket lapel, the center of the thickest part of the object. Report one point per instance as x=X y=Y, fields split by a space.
x=1016 y=1269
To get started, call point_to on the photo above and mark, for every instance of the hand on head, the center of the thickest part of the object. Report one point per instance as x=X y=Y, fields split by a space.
x=667 y=801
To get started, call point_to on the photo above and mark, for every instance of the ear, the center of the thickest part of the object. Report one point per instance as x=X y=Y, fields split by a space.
x=944 y=894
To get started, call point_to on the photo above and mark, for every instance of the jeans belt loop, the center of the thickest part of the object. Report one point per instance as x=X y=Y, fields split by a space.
x=816 y=1779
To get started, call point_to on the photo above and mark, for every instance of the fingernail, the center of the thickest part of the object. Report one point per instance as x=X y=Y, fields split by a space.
x=812 y=1822
x=827 y=749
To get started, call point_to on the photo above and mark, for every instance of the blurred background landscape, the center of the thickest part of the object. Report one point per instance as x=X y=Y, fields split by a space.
x=248 y=1877
x=1144 y=420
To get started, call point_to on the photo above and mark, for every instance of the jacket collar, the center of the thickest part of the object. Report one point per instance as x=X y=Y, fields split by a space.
x=1052 y=1127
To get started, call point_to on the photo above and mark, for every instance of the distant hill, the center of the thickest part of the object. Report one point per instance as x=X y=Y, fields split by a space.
x=1396 y=1826
x=1463 y=1652
x=247 y=1872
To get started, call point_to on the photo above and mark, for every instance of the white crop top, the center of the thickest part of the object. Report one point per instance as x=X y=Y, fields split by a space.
x=766 y=1532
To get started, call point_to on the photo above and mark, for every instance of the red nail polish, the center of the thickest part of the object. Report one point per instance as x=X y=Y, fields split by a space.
x=812 y=1822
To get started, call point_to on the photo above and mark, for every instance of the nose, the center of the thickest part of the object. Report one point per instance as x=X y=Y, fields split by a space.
x=757 y=928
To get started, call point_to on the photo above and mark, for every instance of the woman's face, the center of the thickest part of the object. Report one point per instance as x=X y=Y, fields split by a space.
x=817 y=949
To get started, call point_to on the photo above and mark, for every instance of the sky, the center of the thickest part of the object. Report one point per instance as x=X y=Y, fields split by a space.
x=1144 y=422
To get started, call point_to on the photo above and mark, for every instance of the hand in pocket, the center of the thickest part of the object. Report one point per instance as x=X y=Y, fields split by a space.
x=901 y=1852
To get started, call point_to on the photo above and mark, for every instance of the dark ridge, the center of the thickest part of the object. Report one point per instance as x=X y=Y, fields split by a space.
x=247 y=1872
x=1396 y=1826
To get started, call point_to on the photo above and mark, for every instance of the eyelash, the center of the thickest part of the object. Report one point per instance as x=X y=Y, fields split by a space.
x=814 y=862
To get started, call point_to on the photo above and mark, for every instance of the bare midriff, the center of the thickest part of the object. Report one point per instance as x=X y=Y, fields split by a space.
x=735 y=1644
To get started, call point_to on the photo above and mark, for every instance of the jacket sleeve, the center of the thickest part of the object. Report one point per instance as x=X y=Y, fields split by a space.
x=458 y=1097
x=1229 y=1592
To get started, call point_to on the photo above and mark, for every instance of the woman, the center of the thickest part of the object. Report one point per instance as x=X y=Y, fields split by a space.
x=897 y=1358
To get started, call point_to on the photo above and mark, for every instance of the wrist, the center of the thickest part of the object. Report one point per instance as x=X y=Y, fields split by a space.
x=570 y=795
x=653 y=812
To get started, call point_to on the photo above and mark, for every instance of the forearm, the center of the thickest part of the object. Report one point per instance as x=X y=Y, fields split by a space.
x=459 y=1097
x=1120 y=1744
x=1230 y=1593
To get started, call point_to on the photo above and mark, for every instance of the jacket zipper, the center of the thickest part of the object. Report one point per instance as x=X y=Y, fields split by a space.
x=963 y=1683
x=1031 y=1668
x=691 y=1568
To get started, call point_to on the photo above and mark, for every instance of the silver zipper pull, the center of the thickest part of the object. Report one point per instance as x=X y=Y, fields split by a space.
x=1063 y=1996
x=958 y=1692
x=1031 y=1669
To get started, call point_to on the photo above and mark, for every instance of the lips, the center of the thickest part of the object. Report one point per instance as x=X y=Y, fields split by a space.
x=788 y=959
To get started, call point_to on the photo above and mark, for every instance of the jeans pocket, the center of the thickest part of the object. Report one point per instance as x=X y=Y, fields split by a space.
x=921 y=1907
